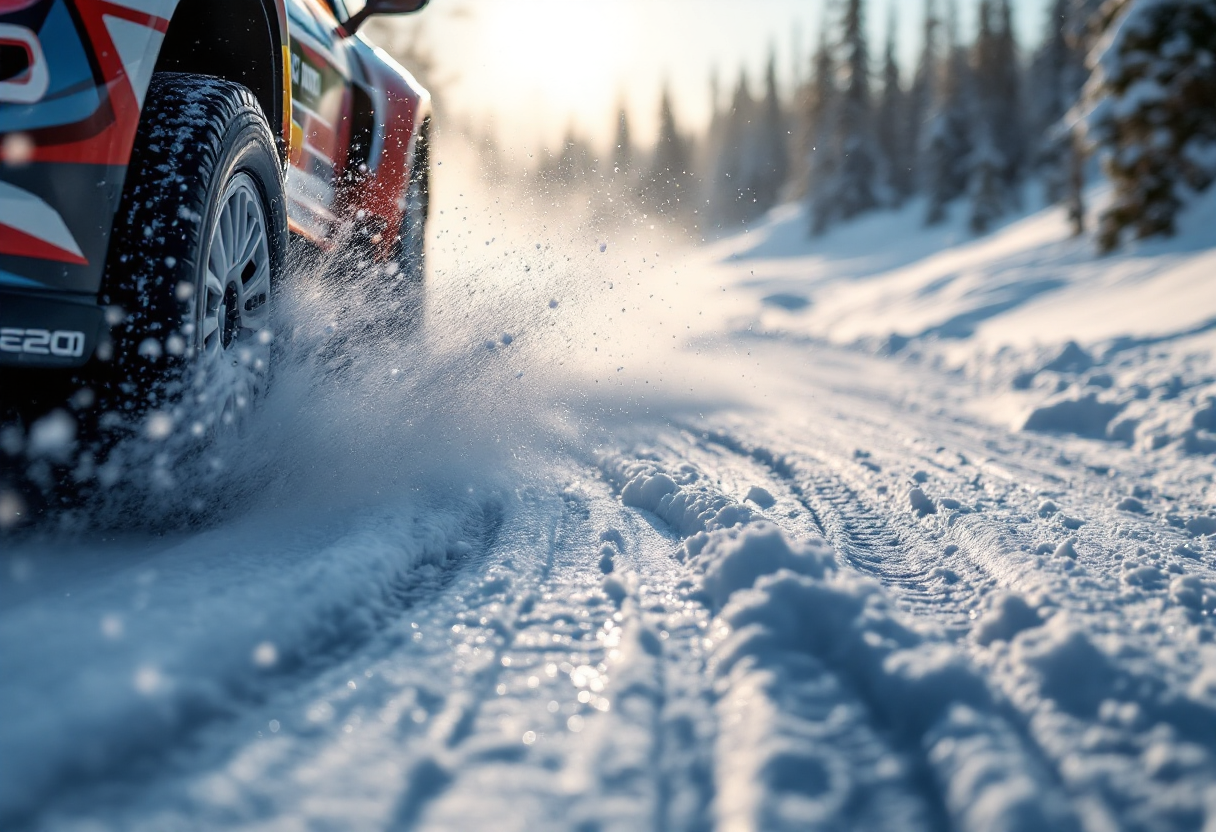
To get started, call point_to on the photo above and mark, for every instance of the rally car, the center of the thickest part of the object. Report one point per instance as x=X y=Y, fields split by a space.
x=156 y=156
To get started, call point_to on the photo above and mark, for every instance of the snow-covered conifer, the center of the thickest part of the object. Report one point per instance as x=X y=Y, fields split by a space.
x=771 y=143
x=986 y=186
x=734 y=195
x=891 y=124
x=622 y=146
x=1151 y=112
x=854 y=189
x=948 y=143
x=922 y=96
x=822 y=102
x=667 y=183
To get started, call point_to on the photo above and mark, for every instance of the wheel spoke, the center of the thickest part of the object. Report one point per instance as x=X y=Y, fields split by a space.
x=239 y=243
x=211 y=324
x=214 y=288
x=251 y=248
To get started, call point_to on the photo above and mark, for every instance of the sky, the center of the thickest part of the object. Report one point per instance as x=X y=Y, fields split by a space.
x=536 y=68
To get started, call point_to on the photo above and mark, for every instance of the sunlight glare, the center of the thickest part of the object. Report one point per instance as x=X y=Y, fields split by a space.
x=565 y=56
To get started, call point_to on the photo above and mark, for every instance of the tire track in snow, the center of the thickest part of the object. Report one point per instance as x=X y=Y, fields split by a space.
x=764 y=782
x=1112 y=711
x=584 y=712
x=918 y=571
x=308 y=619
x=967 y=747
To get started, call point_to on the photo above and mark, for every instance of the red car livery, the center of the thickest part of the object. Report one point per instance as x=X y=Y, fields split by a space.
x=79 y=80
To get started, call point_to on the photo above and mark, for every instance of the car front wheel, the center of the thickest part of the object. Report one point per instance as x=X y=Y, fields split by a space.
x=198 y=251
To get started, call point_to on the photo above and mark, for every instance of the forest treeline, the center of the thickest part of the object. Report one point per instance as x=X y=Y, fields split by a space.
x=1128 y=83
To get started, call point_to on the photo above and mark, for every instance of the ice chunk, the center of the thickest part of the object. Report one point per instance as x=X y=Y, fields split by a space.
x=1131 y=504
x=1071 y=359
x=760 y=497
x=1067 y=549
x=920 y=504
x=1201 y=525
x=733 y=559
x=1085 y=415
x=1008 y=614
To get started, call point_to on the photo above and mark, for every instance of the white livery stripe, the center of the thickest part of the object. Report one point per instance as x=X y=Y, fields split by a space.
x=137 y=49
x=30 y=215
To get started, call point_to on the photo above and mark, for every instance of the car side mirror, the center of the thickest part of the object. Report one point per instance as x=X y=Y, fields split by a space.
x=375 y=7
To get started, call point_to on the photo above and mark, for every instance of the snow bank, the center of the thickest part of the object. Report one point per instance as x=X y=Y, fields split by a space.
x=1121 y=348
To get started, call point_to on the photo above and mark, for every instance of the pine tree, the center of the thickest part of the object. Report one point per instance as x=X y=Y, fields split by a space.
x=820 y=115
x=733 y=176
x=668 y=181
x=922 y=97
x=576 y=160
x=1055 y=74
x=948 y=141
x=772 y=143
x=994 y=168
x=892 y=123
x=622 y=146
x=1152 y=113
x=854 y=191
x=986 y=185
x=1004 y=91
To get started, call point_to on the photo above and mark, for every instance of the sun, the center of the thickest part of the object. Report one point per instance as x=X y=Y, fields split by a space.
x=562 y=56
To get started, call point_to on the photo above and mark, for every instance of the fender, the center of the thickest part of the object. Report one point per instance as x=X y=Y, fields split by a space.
x=401 y=105
x=67 y=127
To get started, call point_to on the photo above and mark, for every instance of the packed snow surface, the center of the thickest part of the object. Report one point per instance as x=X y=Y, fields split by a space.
x=768 y=535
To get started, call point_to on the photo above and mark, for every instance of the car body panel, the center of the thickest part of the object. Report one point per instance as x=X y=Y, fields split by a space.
x=68 y=124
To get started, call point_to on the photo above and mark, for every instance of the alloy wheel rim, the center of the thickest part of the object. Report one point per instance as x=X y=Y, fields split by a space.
x=236 y=283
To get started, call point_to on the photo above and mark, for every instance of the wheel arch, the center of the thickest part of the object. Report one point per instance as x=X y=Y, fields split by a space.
x=244 y=41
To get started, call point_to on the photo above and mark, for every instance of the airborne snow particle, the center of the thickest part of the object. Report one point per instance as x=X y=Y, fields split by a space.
x=111 y=626
x=158 y=426
x=52 y=435
x=17 y=149
x=11 y=508
x=148 y=680
x=150 y=348
x=265 y=655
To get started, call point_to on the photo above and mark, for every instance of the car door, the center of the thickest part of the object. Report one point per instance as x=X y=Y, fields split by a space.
x=320 y=123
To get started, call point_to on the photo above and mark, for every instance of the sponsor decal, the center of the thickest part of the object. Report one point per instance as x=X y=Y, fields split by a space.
x=61 y=343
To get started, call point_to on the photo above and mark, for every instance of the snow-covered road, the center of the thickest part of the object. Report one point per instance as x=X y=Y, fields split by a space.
x=734 y=582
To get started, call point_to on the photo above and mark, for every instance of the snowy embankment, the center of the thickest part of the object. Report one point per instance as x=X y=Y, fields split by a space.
x=1119 y=347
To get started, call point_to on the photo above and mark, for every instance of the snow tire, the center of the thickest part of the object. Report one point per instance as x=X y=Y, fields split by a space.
x=199 y=138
